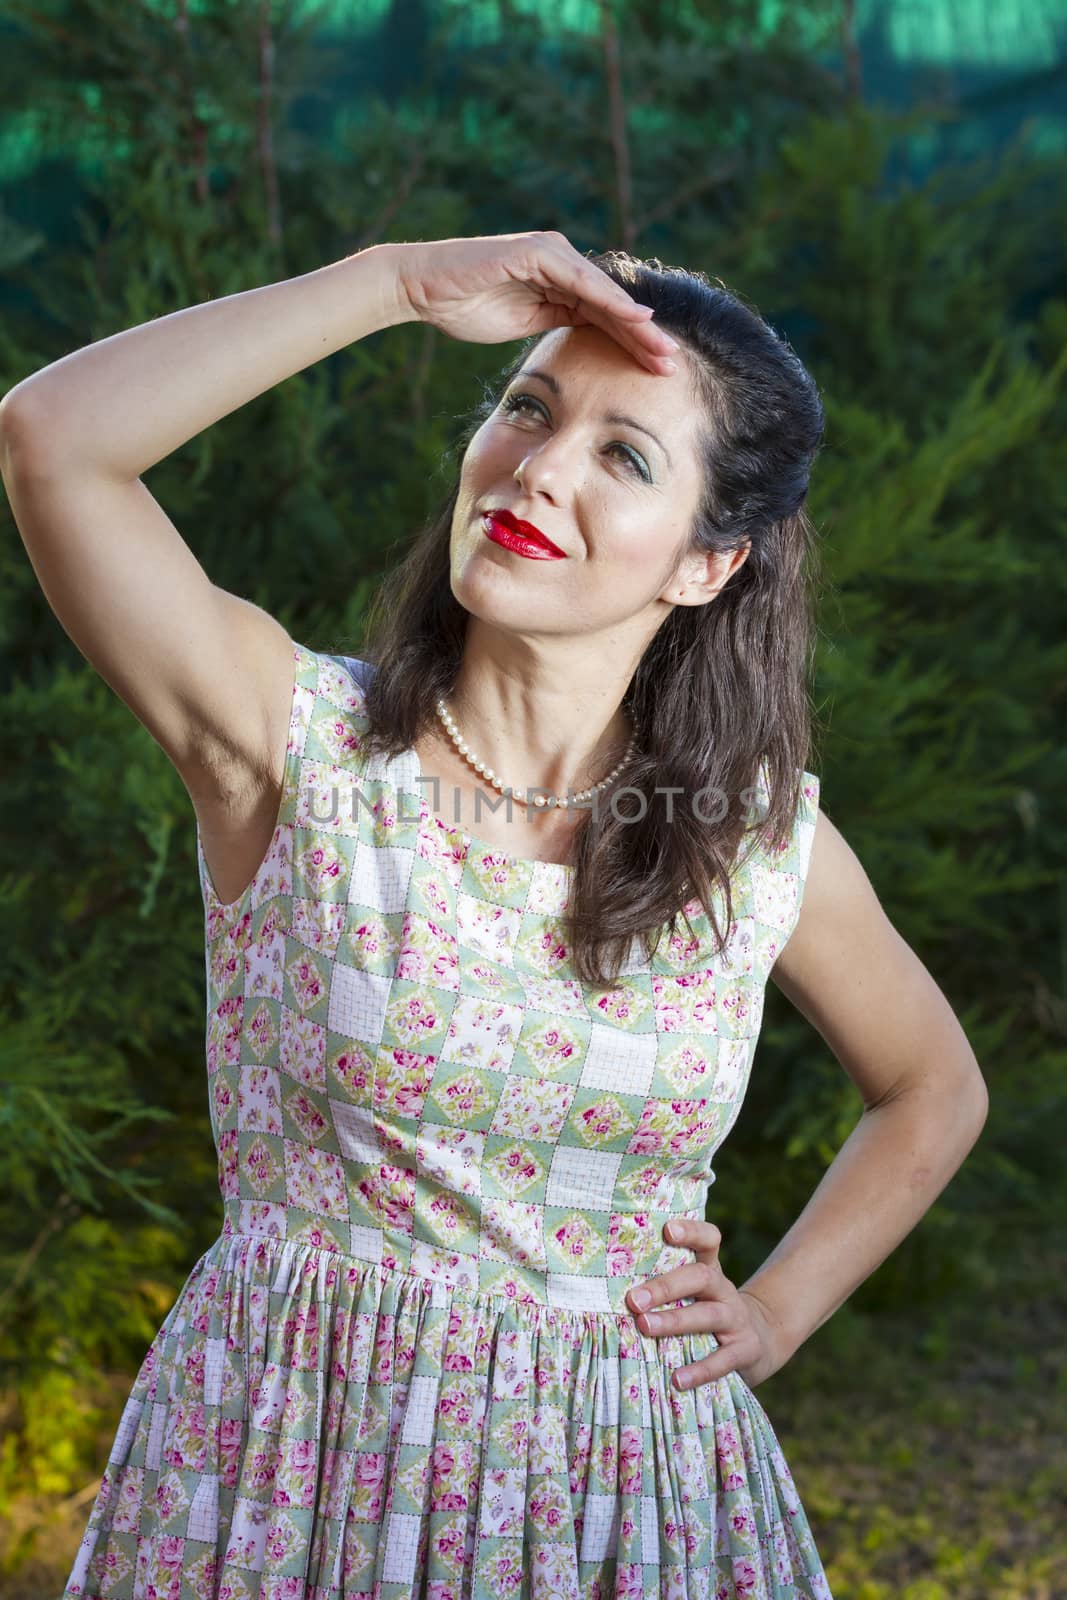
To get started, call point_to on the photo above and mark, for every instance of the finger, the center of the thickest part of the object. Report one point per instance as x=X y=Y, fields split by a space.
x=607 y=304
x=594 y=285
x=737 y=1352
x=649 y=345
x=705 y=1316
x=694 y=1278
x=721 y=1312
x=700 y=1235
x=703 y=1238
x=707 y=1370
x=611 y=307
x=738 y=1346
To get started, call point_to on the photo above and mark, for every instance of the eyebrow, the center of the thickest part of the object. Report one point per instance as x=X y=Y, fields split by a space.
x=616 y=417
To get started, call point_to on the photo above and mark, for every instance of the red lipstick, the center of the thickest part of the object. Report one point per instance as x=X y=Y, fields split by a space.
x=522 y=537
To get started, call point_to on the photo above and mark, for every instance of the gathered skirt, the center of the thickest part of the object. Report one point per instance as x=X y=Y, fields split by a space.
x=307 y=1423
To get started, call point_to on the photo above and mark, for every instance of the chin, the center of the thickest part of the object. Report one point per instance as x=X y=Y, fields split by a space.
x=510 y=612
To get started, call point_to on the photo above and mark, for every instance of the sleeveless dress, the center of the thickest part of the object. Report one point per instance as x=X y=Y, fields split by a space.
x=406 y=1369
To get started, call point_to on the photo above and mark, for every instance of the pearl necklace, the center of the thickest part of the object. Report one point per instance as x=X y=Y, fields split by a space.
x=539 y=800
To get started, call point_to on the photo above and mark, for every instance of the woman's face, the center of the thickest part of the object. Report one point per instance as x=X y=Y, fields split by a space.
x=618 y=497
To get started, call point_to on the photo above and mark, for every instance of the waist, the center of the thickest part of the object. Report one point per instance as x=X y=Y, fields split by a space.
x=489 y=1279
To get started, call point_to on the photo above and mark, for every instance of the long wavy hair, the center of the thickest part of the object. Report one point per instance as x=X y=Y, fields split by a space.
x=719 y=698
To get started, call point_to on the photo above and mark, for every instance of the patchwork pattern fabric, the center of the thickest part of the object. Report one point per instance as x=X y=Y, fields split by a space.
x=406 y=1367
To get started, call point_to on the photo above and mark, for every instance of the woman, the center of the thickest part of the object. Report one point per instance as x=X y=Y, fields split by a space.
x=468 y=1067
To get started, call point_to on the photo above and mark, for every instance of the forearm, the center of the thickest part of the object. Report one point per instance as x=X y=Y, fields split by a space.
x=887 y=1174
x=125 y=402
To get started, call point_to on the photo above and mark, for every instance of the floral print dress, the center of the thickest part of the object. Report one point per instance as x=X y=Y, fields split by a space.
x=406 y=1370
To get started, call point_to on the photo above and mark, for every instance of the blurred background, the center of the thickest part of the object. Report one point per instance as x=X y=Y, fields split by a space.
x=887 y=181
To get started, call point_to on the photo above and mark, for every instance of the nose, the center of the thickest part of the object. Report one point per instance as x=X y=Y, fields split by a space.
x=545 y=470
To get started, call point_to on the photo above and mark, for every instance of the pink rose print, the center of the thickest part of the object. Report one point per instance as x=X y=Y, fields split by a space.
x=744 y=1576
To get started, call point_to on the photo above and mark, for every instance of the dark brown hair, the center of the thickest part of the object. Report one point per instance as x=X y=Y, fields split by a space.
x=719 y=698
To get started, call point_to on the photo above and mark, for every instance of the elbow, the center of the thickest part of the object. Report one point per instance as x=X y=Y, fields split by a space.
x=16 y=428
x=973 y=1089
x=981 y=1095
x=968 y=1105
x=953 y=1094
x=968 y=1096
x=12 y=408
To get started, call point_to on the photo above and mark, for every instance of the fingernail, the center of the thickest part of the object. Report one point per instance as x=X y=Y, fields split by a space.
x=669 y=365
x=641 y=1298
x=668 y=340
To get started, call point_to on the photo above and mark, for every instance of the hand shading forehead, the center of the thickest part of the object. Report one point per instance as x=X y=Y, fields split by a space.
x=586 y=368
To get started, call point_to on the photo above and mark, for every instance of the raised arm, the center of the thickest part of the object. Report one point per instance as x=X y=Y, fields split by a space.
x=207 y=673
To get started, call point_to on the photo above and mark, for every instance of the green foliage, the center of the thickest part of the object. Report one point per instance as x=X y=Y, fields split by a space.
x=942 y=664
x=933 y=316
x=58 y=1430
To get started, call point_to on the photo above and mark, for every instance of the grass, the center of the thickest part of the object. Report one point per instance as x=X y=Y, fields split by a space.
x=932 y=1461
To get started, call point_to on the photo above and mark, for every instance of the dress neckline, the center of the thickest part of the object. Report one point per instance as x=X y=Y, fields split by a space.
x=482 y=846
x=360 y=671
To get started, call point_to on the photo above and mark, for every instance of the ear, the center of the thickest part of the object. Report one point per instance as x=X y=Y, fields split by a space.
x=701 y=577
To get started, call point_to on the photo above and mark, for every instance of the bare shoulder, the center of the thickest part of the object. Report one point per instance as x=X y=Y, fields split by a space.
x=849 y=971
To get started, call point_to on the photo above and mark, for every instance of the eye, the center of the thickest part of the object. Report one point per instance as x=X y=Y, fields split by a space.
x=519 y=402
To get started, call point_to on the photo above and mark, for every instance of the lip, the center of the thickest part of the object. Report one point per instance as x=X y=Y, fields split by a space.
x=522 y=537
